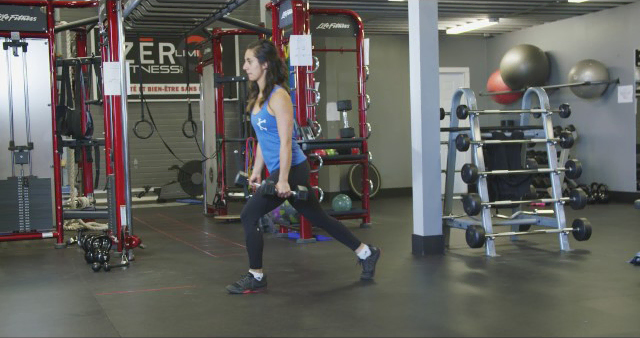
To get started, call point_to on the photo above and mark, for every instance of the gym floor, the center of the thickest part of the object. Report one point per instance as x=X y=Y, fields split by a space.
x=175 y=287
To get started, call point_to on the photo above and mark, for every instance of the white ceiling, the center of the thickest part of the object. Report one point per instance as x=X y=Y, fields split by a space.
x=390 y=17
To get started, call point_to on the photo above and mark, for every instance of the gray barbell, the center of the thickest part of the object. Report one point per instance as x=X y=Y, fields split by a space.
x=462 y=111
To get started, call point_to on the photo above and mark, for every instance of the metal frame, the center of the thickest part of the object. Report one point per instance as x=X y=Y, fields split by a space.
x=115 y=112
x=362 y=110
x=558 y=222
x=50 y=36
x=304 y=81
x=174 y=17
x=220 y=139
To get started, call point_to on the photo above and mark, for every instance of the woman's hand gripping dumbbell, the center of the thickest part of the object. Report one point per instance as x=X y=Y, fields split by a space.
x=270 y=188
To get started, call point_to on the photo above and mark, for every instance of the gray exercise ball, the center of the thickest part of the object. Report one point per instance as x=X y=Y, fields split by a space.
x=524 y=66
x=589 y=70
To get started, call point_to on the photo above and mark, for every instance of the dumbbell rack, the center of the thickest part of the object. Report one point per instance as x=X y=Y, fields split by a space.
x=519 y=217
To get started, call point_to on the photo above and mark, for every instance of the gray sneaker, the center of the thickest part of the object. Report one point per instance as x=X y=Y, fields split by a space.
x=247 y=284
x=369 y=264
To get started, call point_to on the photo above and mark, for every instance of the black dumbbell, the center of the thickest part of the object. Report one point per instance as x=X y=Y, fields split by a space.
x=242 y=180
x=594 y=197
x=300 y=193
x=269 y=188
x=603 y=191
x=108 y=266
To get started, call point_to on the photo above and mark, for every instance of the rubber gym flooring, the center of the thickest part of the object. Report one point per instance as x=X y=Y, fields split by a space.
x=175 y=287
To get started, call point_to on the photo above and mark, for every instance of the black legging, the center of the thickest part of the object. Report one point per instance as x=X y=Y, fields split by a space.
x=260 y=204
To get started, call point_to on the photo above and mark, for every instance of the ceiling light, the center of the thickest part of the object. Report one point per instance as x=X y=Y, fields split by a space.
x=577 y=1
x=472 y=25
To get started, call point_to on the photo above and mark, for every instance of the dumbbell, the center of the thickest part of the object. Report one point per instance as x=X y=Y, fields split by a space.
x=476 y=236
x=470 y=172
x=594 y=196
x=107 y=266
x=242 y=180
x=603 y=193
x=269 y=188
x=124 y=262
x=462 y=111
x=472 y=203
x=344 y=107
x=565 y=140
x=443 y=113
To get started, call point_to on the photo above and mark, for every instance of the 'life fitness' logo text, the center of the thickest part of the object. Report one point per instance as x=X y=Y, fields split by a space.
x=286 y=13
x=333 y=25
x=16 y=17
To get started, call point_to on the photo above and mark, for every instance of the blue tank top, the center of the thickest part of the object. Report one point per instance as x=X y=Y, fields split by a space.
x=266 y=129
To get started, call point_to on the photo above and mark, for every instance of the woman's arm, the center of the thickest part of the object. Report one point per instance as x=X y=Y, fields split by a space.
x=258 y=164
x=282 y=108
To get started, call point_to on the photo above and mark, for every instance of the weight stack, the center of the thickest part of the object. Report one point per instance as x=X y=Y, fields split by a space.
x=26 y=204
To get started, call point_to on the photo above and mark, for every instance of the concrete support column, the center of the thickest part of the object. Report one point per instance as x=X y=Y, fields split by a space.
x=427 y=235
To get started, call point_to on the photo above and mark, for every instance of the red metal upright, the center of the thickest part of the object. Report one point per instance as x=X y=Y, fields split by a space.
x=106 y=108
x=276 y=32
x=117 y=120
x=301 y=27
x=57 y=176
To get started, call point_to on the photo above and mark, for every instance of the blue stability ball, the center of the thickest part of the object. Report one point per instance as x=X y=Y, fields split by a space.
x=341 y=202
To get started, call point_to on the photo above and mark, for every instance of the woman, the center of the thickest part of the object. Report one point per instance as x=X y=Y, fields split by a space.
x=272 y=119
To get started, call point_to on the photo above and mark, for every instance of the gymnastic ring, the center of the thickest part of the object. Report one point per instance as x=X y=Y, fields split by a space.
x=137 y=133
x=194 y=128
